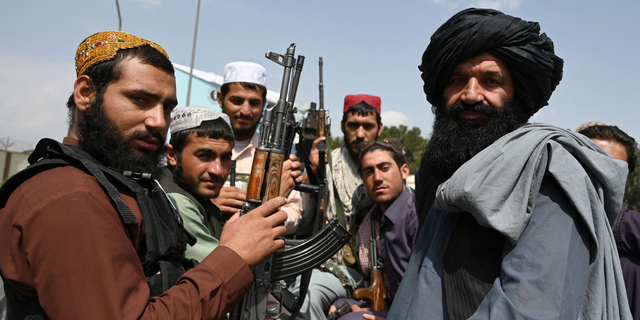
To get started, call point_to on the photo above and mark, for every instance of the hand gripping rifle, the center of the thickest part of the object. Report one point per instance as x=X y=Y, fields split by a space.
x=376 y=293
x=276 y=139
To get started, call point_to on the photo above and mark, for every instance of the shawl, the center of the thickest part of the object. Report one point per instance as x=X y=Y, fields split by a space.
x=500 y=184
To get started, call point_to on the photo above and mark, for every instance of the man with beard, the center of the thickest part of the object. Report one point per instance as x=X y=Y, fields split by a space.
x=86 y=231
x=347 y=199
x=242 y=97
x=199 y=161
x=519 y=227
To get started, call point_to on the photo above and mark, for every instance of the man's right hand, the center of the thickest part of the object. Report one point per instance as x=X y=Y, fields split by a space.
x=255 y=235
x=230 y=201
x=314 y=157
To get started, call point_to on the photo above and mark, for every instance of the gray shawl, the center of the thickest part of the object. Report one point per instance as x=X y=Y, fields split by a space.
x=500 y=184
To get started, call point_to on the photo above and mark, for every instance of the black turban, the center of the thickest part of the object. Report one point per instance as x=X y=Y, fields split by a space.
x=536 y=70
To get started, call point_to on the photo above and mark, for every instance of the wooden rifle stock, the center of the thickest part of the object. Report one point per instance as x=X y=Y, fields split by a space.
x=376 y=292
x=256 y=177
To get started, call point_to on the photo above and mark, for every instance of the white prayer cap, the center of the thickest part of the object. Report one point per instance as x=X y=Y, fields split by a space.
x=242 y=71
x=191 y=117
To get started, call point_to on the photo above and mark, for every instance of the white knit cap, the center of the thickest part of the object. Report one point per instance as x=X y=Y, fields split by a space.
x=191 y=117
x=242 y=71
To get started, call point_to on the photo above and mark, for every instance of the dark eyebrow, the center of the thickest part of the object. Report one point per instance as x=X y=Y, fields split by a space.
x=382 y=164
x=206 y=150
x=360 y=123
x=154 y=96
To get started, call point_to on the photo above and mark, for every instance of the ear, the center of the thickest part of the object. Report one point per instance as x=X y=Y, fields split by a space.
x=219 y=98
x=83 y=92
x=172 y=156
x=342 y=126
x=404 y=170
x=381 y=127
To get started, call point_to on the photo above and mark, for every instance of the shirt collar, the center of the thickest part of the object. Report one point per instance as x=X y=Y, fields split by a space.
x=398 y=208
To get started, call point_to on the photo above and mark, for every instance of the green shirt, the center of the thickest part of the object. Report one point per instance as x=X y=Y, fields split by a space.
x=195 y=223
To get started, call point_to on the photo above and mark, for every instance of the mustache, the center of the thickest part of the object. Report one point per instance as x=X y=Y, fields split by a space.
x=143 y=134
x=240 y=116
x=460 y=107
x=217 y=178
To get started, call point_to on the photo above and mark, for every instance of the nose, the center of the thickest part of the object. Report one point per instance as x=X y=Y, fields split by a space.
x=156 y=120
x=471 y=93
x=360 y=133
x=215 y=167
x=245 y=108
x=377 y=175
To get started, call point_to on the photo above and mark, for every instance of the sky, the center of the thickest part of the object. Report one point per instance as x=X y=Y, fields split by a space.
x=368 y=46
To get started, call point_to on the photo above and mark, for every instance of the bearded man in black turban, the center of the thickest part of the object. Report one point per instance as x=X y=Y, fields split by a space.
x=514 y=216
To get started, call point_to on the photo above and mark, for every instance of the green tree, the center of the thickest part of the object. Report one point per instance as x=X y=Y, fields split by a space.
x=335 y=143
x=632 y=189
x=412 y=141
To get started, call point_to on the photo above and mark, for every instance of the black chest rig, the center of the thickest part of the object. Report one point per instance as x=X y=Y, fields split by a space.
x=165 y=236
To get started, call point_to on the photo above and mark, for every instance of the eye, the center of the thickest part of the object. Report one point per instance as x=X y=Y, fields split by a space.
x=256 y=103
x=369 y=126
x=353 y=126
x=236 y=101
x=204 y=156
x=457 y=80
x=138 y=99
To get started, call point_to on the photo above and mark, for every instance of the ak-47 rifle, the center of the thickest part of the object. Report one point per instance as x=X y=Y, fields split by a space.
x=376 y=293
x=276 y=139
x=314 y=126
x=322 y=150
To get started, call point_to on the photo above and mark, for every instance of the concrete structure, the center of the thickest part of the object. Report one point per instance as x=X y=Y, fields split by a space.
x=12 y=162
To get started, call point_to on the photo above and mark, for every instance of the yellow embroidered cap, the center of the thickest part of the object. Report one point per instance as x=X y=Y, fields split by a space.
x=103 y=46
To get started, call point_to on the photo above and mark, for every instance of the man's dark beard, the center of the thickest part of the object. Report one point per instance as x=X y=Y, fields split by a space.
x=243 y=132
x=100 y=138
x=246 y=132
x=179 y=180
x=455 y=141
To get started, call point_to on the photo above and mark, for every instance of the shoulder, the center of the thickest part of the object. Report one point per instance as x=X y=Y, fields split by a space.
x=65 y=192
x=183 y=203
x=58 y=182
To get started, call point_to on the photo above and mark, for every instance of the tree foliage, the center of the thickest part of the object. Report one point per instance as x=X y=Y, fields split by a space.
x=412 y=141
x=632 y=190
x=335 y=143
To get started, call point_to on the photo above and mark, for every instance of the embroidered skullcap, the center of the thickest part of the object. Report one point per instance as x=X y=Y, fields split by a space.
x=590 y=124
x=530 y=56
x=242 y=71
x=191 y=117
x=103 y=46
x=353 y=99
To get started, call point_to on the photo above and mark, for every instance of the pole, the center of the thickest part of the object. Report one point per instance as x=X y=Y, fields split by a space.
x=193 y=55
x=119 y=16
